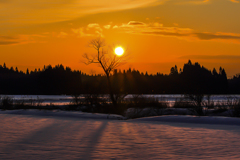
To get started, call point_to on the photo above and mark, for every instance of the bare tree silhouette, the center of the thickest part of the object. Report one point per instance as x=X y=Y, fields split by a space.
x=106 y=58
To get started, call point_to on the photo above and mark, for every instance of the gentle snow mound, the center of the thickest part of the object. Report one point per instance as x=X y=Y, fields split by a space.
x=67 y=114
x=193 y=119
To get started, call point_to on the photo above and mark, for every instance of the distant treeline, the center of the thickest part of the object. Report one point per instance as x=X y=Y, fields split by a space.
x=193 y=78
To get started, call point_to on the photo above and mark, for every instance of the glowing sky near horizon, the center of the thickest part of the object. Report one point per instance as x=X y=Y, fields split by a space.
x=157 y=33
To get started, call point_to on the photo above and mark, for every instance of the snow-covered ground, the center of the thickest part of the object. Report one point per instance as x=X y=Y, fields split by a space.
x=71 y=135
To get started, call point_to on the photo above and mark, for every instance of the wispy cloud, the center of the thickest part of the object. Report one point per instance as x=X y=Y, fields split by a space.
x=25 y=12
x=92 y=29
x=107 y=26
x=220 y=35
x=158 y=29
x=136 y=23
x=2 y=42
x=194 y=2
x=210 y=57
x=8 y=40
x=62 y=34
x=235 y=1
x=20 y=39
x=95 y=26
x=80 y=32
x=22 y=12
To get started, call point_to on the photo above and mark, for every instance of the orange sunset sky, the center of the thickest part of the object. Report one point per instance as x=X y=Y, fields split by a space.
x=157 y=33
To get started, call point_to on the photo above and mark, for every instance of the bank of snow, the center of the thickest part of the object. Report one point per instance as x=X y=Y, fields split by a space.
x=167 y=118
x=64 y=114
x=193 y=119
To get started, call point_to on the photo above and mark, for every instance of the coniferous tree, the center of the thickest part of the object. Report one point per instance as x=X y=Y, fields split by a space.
x=11 y=69
x=27 y=72
x=220 y=70
x=189 y=62
x=224 y=73
x=172 y=70
x=214 y=72
x=176 y=69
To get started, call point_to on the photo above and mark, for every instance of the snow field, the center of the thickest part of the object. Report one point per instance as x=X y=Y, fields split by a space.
x=28 y=136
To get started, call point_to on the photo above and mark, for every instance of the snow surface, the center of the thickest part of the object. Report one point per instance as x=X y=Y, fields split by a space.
x=193 y=119
x=63 y=114
x=70 y=135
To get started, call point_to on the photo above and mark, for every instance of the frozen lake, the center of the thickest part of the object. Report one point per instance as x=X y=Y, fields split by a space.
x=44 y=137
x=66 y=99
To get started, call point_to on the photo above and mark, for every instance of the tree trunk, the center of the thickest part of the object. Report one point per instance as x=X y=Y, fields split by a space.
x=110 y=91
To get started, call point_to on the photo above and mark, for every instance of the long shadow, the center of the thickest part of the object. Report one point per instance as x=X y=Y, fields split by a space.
x=94 y=140
x=54 y=115
x=229 y=127
x=42 y=137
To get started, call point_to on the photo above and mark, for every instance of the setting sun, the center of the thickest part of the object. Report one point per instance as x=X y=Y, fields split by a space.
x=119 y=51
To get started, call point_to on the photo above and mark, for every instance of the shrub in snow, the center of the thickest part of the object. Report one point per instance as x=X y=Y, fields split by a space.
x=6 y=103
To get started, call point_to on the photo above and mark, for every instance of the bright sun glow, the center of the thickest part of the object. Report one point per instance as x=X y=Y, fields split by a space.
x=119 y=51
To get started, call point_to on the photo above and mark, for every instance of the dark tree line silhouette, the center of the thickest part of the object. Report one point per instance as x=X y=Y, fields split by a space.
x=192 y=79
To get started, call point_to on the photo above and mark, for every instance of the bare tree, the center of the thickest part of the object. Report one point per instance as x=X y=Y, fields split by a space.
x=106 y=58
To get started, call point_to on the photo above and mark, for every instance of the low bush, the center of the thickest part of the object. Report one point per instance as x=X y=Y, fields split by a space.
x=182 y=103
x=77 y=99
x=196 y=100
x=6 y=103
x=236 y=108
x=142 y=106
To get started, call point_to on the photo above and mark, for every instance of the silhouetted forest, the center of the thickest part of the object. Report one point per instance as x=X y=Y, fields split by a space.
x=193 y=78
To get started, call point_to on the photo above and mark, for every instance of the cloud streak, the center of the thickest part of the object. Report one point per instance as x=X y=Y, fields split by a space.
x=81 y=32
x=22 y=12
x=234 y=1
x=26 y=12
x=224 y=57
x=8 y=40
x=196 y=2
x=157 y=29
x=20 y=39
